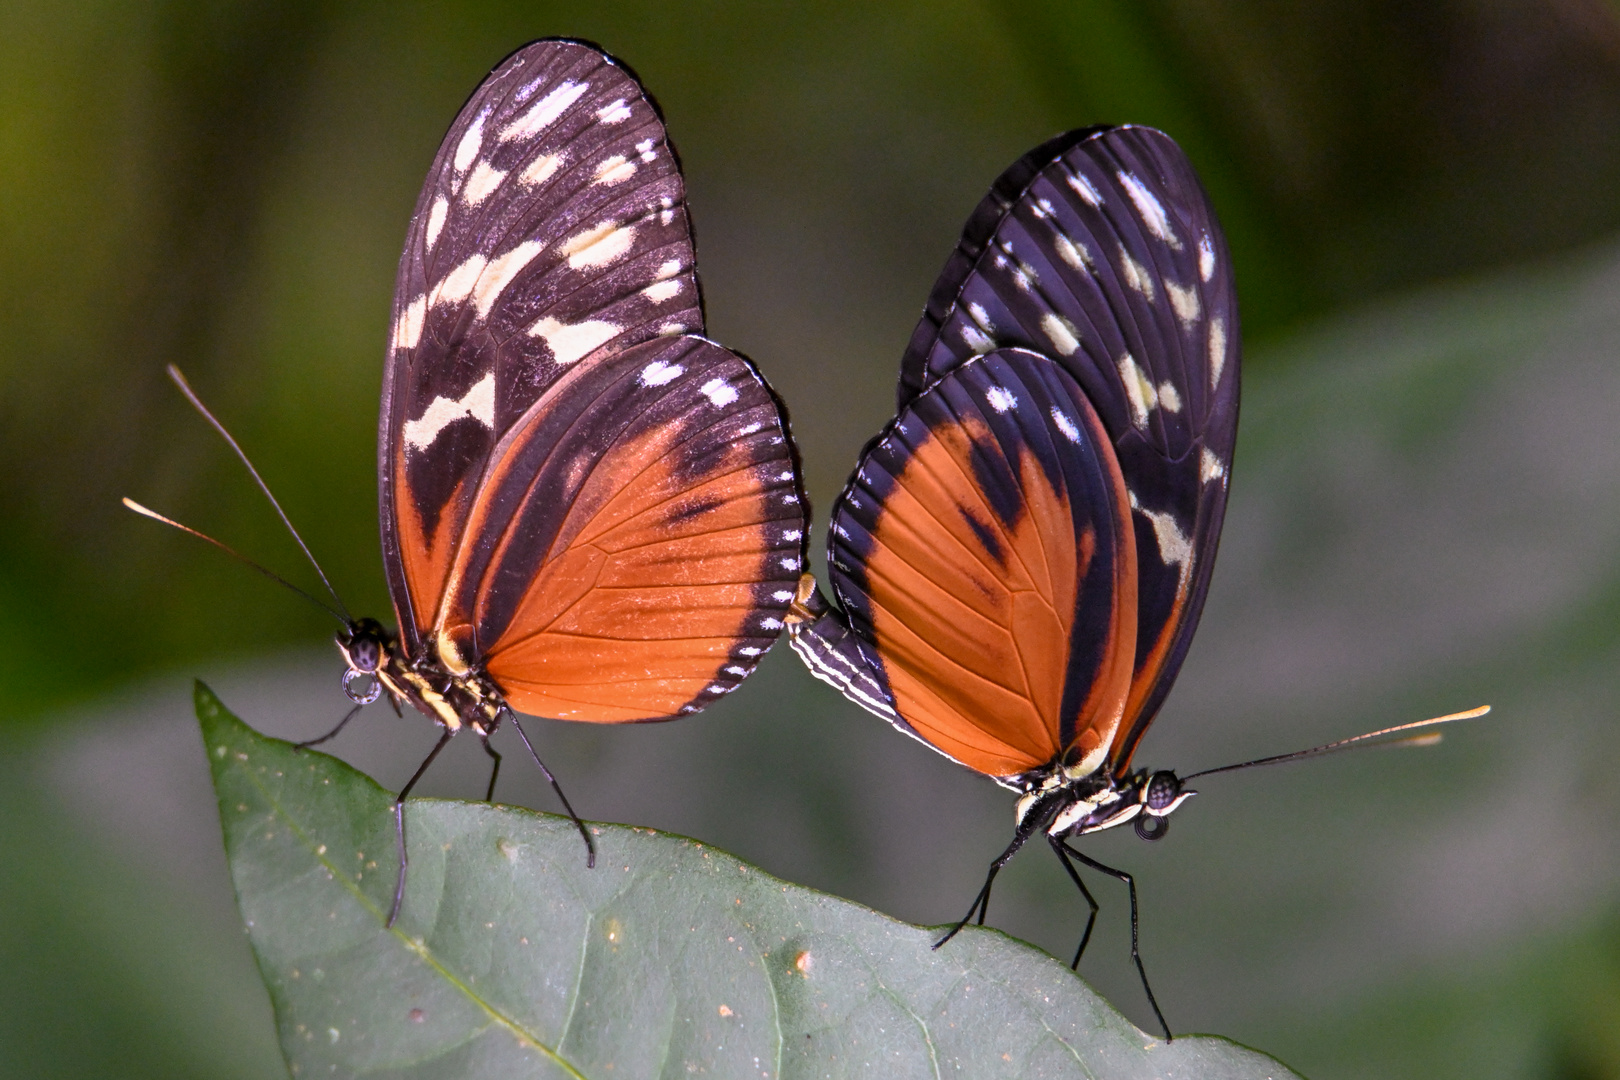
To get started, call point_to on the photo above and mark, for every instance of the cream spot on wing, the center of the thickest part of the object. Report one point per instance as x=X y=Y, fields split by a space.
x=540 y=169
x=977 y=334
x=1210 y=467
x=1150 y=209
x=408 y=331
x=436 y=217
x=1184 y=301
x=1065 y=338
x=598 y=245
x=616 y=113
x=659 y=373
x=1139 y=390
x=483 y=181
x=659 y=291
x=471 y=141
x=500 y=272
x=672 y=329
x=1136 y=275
x=1175 y=548
x=1169 y=396
x=645 y=149
x=544 y=112
x=1065 y=425
x=1083 y=188
x=1217 y=351
x=668 y=269
x=1000 y=399
x=615 y=169
x=1075 y=254
x=478 y=403
x=1206 y=258
x=570 y=341
x=719 y=392
x=458 y=284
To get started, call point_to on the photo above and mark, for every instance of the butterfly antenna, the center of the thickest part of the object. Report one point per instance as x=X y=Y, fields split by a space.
x=271 y=574
x=196 y=403
x=1428 y=738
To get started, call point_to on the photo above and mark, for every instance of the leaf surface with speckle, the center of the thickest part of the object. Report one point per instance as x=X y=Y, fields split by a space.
x=510 y=959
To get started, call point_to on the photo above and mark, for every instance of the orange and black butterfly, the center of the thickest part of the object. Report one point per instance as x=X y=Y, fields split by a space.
x=1021 y=556
x=589 y=510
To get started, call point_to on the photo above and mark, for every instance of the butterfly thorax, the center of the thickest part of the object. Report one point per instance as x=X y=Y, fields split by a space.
x=1061 y=804
x=452 y=699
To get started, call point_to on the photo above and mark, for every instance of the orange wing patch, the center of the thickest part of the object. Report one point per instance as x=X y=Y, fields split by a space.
x=653 y=587
x=634 y=543
x=974 y=616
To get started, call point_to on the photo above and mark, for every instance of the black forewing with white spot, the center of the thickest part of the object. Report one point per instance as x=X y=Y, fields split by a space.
x=552 y=229
x=1100 y=249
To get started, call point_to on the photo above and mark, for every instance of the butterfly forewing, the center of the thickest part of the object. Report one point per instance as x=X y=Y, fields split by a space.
x=981 y=553
x=1100 y=250
x=552 y=229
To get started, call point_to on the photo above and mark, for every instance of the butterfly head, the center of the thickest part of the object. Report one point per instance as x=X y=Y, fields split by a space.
x=1157 y=794
x=364 y=646
x=1097 y=803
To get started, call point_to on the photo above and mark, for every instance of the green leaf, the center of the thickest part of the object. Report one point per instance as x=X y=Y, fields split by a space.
x=670 y=958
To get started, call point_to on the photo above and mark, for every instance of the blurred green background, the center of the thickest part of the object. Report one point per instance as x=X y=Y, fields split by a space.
x=1423 y=202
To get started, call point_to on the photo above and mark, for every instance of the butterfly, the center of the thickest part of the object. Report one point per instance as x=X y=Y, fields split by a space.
x=1020 y=558
x=589 y=510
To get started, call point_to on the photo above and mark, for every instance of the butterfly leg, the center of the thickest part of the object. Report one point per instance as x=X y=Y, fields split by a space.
x=350 y=715
x=495 y=770
x=1130 y=883
x=590 y=845
x=981 y=903
x=1091 y=919
x=399 y=822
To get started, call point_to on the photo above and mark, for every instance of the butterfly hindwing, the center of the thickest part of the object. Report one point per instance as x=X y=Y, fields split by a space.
x=552 y=229
x=981 y=555
x=1100 y=250
x=636 y=539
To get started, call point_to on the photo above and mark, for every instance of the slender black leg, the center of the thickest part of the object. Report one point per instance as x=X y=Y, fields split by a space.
x=489 y=795
x=350 y=715
x=1136 y=954
x=981 y=903
x=1091 y=920
x=399 y=822
x=590 y=845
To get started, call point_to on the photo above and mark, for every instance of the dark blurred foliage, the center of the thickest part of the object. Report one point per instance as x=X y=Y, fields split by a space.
x=226 y=186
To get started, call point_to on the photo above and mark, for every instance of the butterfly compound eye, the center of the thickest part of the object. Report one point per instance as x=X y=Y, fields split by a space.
x=1162 y=790
x=362 y=646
